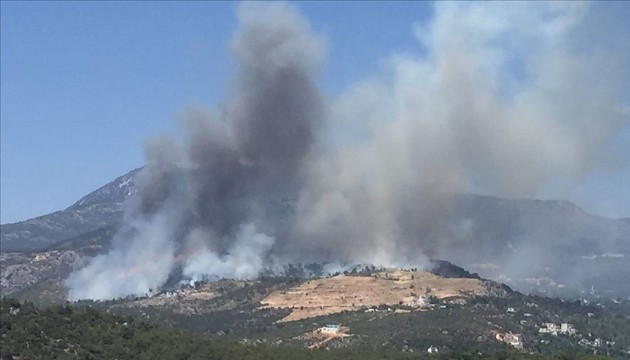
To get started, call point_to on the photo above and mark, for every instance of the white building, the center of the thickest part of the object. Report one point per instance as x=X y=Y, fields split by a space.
x=514 y=340
x=511 y=339
x=553 y=329
x=566 y=328
x=330 y=329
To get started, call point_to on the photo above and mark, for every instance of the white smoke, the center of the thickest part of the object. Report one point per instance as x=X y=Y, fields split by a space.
x=206 y=206
x=245 y=258
x=137 y=264
x=502 y=103
x=506 y=99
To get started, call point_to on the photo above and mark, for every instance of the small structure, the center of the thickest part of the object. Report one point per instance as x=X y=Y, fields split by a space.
x=553 y=329
x=514 y=340
x=566 y=328
x=549 y=328
x=329 y=329
x=511 y=339
x=432 y=350
x=40 y=257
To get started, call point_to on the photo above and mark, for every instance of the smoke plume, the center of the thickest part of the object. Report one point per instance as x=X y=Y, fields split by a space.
x=503 y=101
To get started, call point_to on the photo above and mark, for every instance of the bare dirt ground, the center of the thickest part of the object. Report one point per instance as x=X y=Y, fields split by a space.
x=332 y=295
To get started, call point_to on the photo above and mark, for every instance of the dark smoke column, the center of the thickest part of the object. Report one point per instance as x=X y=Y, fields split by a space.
x=210 y=207
x=258 y=162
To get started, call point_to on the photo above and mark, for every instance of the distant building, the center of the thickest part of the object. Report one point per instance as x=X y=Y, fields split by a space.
x=553 y=329
x=330 y=329
x=568 y=329
x=40 y=257
x=511 y=339
x=514 y=340
x=432 y=350
x=549 y=328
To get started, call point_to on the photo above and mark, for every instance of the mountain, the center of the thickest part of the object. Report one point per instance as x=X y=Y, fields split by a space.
x=99 y=209
x=116 y=191
x=551 y=247
x=533 y=244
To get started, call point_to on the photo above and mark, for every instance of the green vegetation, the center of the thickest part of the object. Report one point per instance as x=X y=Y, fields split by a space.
x=73 y=332
x=453 y=325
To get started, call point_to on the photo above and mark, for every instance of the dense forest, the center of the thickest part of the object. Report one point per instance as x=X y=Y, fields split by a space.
x=81 y=332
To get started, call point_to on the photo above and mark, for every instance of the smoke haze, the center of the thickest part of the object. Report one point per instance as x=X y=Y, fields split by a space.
x=504 y=101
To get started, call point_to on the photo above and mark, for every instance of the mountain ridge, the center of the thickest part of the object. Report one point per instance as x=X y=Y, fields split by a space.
x=485 y=234
x=116 y=191
x=100 y=208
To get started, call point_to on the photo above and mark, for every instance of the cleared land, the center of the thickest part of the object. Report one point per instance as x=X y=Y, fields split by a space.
x=336 y=294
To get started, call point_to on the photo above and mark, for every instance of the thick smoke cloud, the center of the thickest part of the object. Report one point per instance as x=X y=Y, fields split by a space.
x=503 y=101
x=209 y=207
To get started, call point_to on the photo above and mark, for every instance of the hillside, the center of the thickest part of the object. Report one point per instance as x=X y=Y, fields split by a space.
x=100 y=209
x=481 y=319
x=379 y=310
x=70 y=332
x=546 y=247
x=351 y=293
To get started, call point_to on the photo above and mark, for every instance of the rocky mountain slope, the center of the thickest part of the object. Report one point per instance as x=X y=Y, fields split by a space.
x=39 y=276
x=532 y=245
x=21 y=271
x=99 y=209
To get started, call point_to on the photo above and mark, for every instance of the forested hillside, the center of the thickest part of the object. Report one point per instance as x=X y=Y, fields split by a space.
x=70 y=332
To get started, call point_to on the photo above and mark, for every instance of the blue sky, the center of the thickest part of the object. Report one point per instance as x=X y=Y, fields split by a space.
x=85 y=83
